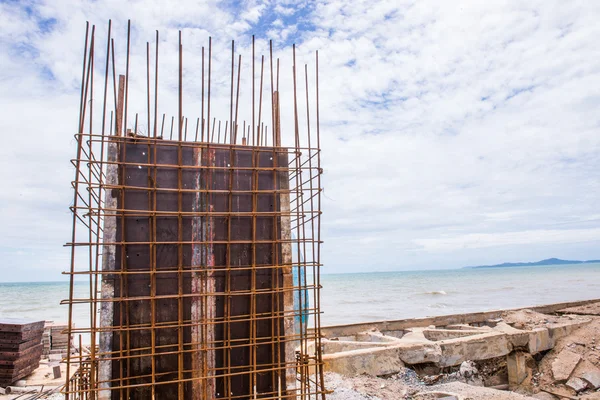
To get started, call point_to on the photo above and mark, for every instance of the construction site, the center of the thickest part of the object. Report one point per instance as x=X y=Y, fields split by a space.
x=200 y=246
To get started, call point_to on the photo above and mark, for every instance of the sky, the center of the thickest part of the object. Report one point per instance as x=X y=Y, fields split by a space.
x=453 y=133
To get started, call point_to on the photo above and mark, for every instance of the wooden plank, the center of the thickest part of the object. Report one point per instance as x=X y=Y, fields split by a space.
x=120 y=104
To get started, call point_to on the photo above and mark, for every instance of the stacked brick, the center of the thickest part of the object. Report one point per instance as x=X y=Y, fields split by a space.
x=20 y=348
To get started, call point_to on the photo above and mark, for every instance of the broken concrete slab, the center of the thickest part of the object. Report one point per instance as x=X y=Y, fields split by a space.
x=589 y=373
x=577 y=384
x=517 y=338
x=564 y=364
x=587 y=309
x=561 y=392
x=373 y=362
x=591 y=396
x=544 y=396
x=477 y=347
x=449 y=342
x=465 y=391
x=418 y=353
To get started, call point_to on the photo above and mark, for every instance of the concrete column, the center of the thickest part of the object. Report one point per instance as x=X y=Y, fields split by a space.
x=520 y=368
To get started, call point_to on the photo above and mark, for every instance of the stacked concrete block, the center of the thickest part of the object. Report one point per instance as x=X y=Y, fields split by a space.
x=46 y=341
x=20 y=348
x=55 y=339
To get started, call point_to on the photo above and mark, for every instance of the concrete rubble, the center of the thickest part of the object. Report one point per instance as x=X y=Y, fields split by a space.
x=564 y=364
x=547 y=352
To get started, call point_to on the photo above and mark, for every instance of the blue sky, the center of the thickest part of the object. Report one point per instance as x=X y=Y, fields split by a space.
x=453 y=133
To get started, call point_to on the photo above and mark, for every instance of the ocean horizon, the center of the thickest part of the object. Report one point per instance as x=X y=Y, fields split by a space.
x=348 y=298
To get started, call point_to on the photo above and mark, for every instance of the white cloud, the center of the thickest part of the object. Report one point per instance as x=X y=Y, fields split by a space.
x=452 y=134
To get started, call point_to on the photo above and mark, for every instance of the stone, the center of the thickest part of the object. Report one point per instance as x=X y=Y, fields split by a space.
x=591 y=396
x=468 y=369
x=577 y=384
x=544 y=396
x=560 y=391
x=564 y=364
x=591 y=374
x=2 y=391
x=20 y=383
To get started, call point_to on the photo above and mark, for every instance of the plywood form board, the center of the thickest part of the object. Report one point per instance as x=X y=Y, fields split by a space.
x=205 y=266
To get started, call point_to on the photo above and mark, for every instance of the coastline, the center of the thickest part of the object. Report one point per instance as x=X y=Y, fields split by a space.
x=397 y=359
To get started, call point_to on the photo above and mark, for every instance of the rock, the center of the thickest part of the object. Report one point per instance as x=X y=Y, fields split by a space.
x=468 y=369
x=408 y=377
x=21 y=383
x=564 y=364
x=591 y=374
x=544 y=396
x=591 y=396
x=560 y=391
x=577 y=384
x=2 y=391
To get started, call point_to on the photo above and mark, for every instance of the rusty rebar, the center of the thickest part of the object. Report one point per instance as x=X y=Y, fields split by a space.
x=189 y=243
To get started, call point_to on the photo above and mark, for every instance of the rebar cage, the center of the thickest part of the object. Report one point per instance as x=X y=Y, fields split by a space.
x=201 y=256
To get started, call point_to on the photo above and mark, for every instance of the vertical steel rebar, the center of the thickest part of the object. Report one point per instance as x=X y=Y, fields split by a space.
x=237 y=102
x=127 y=74
x=75 y=201
x=142 y=342
x=156 y=88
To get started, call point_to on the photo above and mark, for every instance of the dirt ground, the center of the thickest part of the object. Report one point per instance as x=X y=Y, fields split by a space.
x=585 y=342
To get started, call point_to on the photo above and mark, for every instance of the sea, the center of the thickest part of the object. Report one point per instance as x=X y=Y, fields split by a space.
x=369 y=296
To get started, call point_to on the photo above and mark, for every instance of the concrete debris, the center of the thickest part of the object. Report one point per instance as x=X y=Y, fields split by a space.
x=589 y=373
x=468 y=369
x=544 y=396
x=408 y=377
x=591 y=396
x=531 y=354
x=578 y=385
x=561 y=392
x=564 y=364
x=520 y=368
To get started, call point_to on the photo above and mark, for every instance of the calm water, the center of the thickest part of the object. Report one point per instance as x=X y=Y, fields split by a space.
x=350 y=298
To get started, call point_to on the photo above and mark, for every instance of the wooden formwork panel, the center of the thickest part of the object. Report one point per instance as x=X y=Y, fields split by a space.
x=203 y=291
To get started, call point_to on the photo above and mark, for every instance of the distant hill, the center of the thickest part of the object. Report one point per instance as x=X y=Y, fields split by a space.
x=549 y=261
